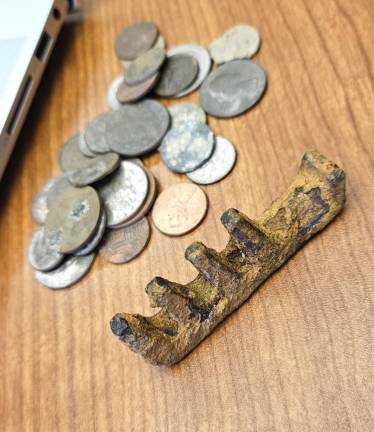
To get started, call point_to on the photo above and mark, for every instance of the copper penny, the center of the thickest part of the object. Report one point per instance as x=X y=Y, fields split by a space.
x=121 y=246
x=126 y=93
x=179 y=209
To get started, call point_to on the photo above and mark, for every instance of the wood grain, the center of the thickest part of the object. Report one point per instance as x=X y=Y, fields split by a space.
x=298 y=356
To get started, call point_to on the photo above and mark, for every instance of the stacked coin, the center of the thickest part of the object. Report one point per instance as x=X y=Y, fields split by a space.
x=102 y=198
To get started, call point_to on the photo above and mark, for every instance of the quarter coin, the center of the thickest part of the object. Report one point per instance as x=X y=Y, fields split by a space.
x=68 y=273
x=145 y=66
x=186 y=112
x=239 y=42
x=42 y=256
x=179 y=72
x=186 y=147
x=123 y=245
x=123 y=193
x=218 y=165
x=126 y=93
x=135 y=40
x=94 y=242
x=137 y=129
x=233 y=88
x=73 y=219
x=203 y=59
x=179 y=209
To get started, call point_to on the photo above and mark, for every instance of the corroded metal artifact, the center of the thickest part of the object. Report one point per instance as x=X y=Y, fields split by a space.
x=226 y=279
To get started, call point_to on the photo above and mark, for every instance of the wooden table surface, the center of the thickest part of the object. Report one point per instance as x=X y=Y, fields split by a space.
x=299 y=354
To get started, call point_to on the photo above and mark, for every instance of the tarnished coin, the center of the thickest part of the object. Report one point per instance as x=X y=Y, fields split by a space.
x=68 y=273
x=83 y=147
x=145 y=66
x=123 y=245
x=94 y=134
x=137 y=129
x=186 y=112
x=160 y=43
x=96 y=239
x=187 y=147
x=233 y=88
x=218 y=165
x=70 y=155
x=111 y=96
x=42 y=255
x=73 y=219
x=123 y=193
x=135 y=39
x=239 y=42
x=179 y=209
x=203 y=58
x=126 y=93
x=40 y=203
x=179 y=72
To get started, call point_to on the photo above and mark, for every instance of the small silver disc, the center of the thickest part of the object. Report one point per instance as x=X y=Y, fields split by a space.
x=186 y=112
x=42 y=255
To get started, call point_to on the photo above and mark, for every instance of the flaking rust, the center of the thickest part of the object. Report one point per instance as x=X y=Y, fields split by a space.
x=226 y=279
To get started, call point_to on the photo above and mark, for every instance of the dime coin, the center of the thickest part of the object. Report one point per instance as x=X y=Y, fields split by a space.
x=126 y=93
x=145 y=66
x=42 y=256
x=94 y=134
x=94 y=242
x=135 y=40
x=233 y=88
x=178 y=73
x=67 y=274
x=123 y=245
x=239 y=42
x=73 y=219
x=160 y=43
x=123 y=193
x=218 y=165
x=40 y=205
x=203 y=58
x=83 y=146
x=111 y=96
x=186 y=112
x=179 y=209
x=186 y=147
x=137 y=129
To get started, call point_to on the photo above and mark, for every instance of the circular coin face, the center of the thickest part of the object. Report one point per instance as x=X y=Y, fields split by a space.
x=94 y=134
x=178 y=73
x=145 y=66
x=83 y=147
x=137 y=129
x=42 y=256
x=67 y=274
x=135 y=39
x=203 y=59
x=239 y=42
x=73 y=219
x=123 y=193
x=70 y=155
x=186 y=112
x=186 y=147
x=233 y=88
x=94 y=242
x=126 y=93
x=123 y=245
x=218 y=165
x=111 y=96
x=160 y=43
x=179 y=209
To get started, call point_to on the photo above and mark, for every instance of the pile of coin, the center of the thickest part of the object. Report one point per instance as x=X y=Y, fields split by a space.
x=101 y=200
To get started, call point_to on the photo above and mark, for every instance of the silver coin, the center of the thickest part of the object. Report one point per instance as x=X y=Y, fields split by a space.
x=111 y=96
x=123 y=193
x=94 y=134
x=178 y=73
x=233 y=88
x=218 y=165
x=135 y=40
x=83 y=147
x=94 y=242
x=160 y=43
x=68 y=273
x=203 y=58
x=187 y=147
x=45 y=195
x=239 y=42
x=145 y=66
x=137 y=129
x=42 y=255
x=186 y=112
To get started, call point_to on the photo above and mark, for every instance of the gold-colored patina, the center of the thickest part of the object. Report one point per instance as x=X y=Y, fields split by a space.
x=226 y=279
